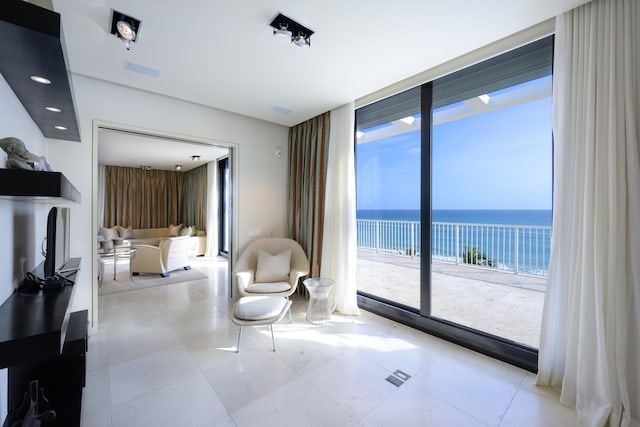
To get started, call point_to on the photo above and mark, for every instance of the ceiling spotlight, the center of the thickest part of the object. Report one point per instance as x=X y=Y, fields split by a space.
x=195 y=158
x=282 y=31
x=60 y=127
x=301 y=40
x=145 y=168
x=178 y=167
x=298 y=34
x=53 y=109
x=125 y=28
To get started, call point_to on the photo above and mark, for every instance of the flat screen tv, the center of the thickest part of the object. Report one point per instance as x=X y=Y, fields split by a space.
x=56 y=244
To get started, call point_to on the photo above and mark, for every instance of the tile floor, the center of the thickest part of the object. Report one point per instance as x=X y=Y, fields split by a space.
x=165 y=357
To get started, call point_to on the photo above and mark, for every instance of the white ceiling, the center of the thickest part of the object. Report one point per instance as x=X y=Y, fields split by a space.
x=223 y=54
x=133 y=150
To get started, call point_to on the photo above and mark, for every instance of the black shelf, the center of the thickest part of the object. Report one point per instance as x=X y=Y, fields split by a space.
x=30 y=44
x=33 y=326
x=16 y=184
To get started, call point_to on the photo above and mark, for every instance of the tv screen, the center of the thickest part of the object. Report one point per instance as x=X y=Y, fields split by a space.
x=57 y=241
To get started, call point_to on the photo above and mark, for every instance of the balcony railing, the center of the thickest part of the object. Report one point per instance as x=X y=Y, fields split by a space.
x=512 y=248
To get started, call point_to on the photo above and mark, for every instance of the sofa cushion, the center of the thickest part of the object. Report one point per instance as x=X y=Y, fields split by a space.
x=109 y=233
x=273 y=268
x=174 y=230
x=125 y=233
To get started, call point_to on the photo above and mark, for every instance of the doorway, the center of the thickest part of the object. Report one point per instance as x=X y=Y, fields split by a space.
x=146 y=149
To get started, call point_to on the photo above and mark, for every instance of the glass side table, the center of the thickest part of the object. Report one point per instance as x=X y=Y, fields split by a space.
x=319 y=309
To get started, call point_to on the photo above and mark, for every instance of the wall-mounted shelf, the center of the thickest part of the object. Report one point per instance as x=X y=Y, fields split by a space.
x=30 y=45
x=33 y=326
x=21 y=185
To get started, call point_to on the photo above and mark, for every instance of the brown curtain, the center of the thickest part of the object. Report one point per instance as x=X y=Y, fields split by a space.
x=194 y=204
x=308 y=152
x=142 y=199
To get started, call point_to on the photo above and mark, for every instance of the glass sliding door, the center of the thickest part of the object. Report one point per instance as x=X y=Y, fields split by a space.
x=491 y=210
x=454 y=203
x=388 y=146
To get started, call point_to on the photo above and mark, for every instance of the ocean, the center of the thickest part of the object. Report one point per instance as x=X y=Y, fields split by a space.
x=506 y=217
x=512 y=240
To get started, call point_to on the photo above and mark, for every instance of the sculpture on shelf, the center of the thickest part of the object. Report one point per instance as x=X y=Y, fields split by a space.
x=19 y=158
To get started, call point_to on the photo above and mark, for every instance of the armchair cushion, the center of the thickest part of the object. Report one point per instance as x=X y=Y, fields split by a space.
x=273 y=268
x=269 y=287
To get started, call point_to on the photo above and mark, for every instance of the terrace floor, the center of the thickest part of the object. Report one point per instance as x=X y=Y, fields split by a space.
x=500 y=303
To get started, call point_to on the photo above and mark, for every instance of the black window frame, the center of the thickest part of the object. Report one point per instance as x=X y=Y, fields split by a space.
x=525 y=63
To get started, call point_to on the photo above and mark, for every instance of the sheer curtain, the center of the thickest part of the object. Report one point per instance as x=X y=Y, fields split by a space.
x=101 y=192
x=339 y=249
x=590 y=340
x=212 y=209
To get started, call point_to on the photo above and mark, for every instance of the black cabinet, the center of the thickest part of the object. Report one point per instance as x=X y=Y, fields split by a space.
x=61 y=378
x=40 y=340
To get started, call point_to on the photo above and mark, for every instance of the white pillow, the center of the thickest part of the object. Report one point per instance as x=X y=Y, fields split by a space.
x=273 y=268
x=110 y=233
x=125 y=233
x=174 y=231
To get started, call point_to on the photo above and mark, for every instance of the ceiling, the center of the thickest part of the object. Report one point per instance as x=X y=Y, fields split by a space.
x=223 y=54
x=165 y=153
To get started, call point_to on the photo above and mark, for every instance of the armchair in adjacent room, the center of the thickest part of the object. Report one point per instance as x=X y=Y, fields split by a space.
x=270 y=266
x=171 y=254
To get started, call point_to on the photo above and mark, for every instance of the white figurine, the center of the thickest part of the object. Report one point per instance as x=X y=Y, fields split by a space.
x=19 y=158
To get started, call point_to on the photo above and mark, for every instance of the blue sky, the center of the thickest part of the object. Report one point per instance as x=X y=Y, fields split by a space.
x=496 y=160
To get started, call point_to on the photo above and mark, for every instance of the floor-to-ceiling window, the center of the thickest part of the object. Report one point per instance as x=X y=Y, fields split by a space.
x=454 y=203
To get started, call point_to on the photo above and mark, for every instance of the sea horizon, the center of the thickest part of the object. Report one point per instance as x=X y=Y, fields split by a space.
x=534 y=217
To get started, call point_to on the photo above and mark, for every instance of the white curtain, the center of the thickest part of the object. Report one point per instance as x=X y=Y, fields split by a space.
x=212 y=210
x=101 y=193
x=590 y=340
x=339 y=251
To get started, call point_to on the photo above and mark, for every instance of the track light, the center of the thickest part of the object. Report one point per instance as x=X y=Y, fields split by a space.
x=297 y=33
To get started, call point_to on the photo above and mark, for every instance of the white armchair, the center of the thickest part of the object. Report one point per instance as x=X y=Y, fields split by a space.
x=171 y=254
x=271 y=266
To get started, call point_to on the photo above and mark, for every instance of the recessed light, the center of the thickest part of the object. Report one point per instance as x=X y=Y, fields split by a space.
x=484 y=98
x=53 y=109
x=195 y=158
x=178 y=167
x=60 y=127
x=41 y=80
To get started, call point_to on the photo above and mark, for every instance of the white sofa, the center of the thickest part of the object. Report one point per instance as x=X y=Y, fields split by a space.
x=170 y=254
x=153 y=236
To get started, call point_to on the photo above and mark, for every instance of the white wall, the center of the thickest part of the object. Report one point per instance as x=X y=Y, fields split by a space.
x=23 y=222
x=262 y=177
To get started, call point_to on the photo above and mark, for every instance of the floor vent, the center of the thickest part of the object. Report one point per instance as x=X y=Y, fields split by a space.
x=397 y=378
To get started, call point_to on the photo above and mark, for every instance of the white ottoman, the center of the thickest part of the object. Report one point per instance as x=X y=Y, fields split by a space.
x=259 y=310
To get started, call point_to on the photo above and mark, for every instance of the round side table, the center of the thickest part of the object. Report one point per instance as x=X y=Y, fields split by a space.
x=319 y=309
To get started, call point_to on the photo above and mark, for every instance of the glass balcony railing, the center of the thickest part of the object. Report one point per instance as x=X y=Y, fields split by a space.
x=519 y=249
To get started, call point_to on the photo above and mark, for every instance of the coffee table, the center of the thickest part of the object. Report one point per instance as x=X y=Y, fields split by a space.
x=319 y=309
x=116 y=252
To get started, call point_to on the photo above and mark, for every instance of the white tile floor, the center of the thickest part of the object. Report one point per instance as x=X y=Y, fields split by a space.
x=165 y=357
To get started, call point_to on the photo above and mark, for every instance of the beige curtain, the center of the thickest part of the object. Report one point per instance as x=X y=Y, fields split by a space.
x=142 y=199
x=308 y=151
x=194 y=203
